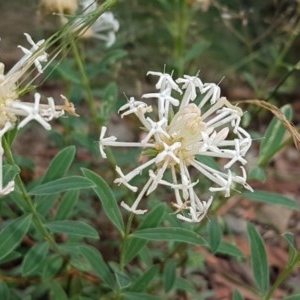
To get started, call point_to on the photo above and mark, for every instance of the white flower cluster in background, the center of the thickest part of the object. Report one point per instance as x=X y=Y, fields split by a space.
x=104 y=27
x=189 y=121
x=14 y=111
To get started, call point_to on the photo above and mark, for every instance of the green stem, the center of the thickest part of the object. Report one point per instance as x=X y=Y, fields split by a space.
x=86 y=84
x=36 y=217
x=283 y=53
x=283 y=275
x=283 y=80
x=181 y=25
x=125 y=240
x=85 y=80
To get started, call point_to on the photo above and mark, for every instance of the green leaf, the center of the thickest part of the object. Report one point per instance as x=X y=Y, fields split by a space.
x=169 y=275
x=102 y=67
x=251 y=80
x=73 y=227
x=187 y=285
x=134 y=245
x=62 y=185
x=271 y=198
x=57 y=292
x=293 y=297
x=168 y=6
x=4 y=291
x=16 y=198
x=11 y=135
x=60 y=164
x=46 y=203
x=196 y=50
x=67 y=203
x=9 y=173
x=12 y=235
x=122 y=279
x=98 y=264
x=146 y=256
x=170 y=234
x=36 y=254
x=14 y=255
x=230 y=249
x=215 y=235
x=108 y=201
x=154 y=218
x=289 y=236
x=274 y=136
x=139 y=296
x=257 y=173
x=67 y=71
x=237 y=295
x=111 y=56
x=141 y=284
x=51 y=265
x=259 y=260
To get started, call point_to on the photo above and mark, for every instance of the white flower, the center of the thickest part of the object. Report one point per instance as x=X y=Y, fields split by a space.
x=35 y=52
x=40 y=113
x=104 y=27
x=192 y=122
x=15 y=112
x=11 y=185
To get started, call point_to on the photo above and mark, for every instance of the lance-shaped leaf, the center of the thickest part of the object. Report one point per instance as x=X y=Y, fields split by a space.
x=12 y=234
x=271 y=198
x=98 y=264
x=36 y=254
x=170 y=234
x=60 y=164
x=62 y=185
x=107 y=199
x=259 y=259
x=73 y=227
x=273 y=137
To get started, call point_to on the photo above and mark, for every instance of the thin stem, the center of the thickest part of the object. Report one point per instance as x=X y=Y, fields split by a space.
x=283 y=275
x=125 y=240
x=283 y=53
x=36 y=217
x=91 y=18
x=179 y=35
x=85 y=81
x=295 y=68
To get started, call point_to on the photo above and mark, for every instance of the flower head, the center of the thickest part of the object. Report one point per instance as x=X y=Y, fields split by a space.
x=15 y=112
x=192 y=122
x=59 y=6
x=104 y=27
x=11 y=106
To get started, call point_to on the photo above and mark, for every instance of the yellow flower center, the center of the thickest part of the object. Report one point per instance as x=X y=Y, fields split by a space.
x=185 y=127
x=7 y=93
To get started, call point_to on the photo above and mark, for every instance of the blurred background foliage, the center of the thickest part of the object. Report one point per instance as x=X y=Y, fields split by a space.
x=251 y=43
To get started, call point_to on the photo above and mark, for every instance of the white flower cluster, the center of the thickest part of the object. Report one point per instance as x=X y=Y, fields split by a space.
x=180 y=133
x=12 y=108
x=104 y=28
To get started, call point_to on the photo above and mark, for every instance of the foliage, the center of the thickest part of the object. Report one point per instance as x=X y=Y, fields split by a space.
x=64 y=236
